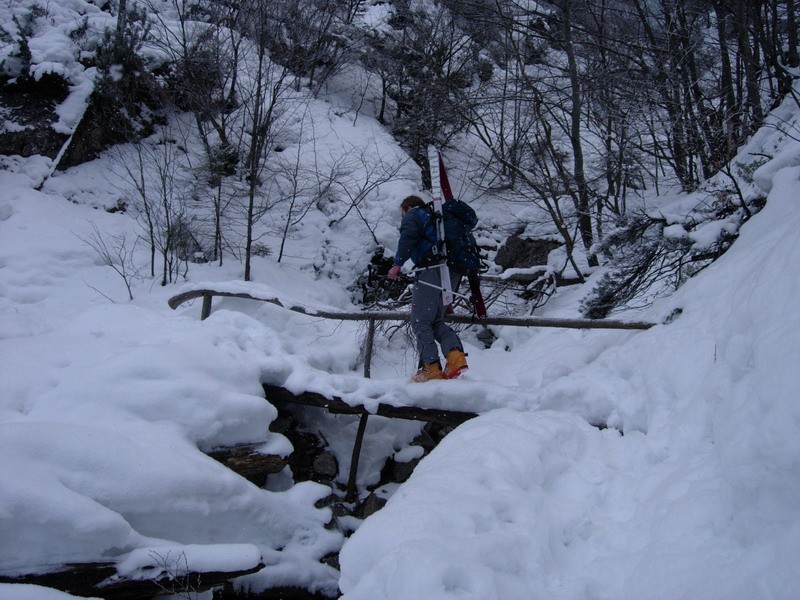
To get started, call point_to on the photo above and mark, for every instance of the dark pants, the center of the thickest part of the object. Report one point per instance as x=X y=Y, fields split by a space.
x=427 y=316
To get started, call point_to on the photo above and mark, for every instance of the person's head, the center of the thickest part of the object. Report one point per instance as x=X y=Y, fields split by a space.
x=410 y=202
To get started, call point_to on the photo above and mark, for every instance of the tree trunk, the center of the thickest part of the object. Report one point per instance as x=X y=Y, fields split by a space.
x=122 y=18
x=728 y=110
x=253 y=162
x=792 y=58
x=218 y=225
x=751 y=68
x=582 y=202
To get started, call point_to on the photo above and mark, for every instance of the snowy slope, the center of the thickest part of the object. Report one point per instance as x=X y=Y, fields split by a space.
x=698 y=498
x=107 y=406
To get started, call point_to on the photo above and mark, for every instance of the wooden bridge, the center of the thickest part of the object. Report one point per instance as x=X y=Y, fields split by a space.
x=282 y=396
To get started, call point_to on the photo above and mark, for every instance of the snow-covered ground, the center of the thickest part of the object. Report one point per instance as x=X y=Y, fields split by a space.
x=698 y=498
x=107 y=407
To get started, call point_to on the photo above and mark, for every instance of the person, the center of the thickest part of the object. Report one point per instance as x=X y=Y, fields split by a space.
x=417 y=242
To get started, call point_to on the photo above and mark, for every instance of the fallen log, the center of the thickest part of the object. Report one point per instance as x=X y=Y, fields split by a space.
x=100 y=580
x=249 y=462
x=230 y=592
x=278 y=395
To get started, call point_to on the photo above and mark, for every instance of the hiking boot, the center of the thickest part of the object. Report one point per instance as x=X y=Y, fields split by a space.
x=456 y=364
x=428 y=372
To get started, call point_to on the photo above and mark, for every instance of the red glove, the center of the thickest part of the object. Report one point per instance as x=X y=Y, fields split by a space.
x=394 y=272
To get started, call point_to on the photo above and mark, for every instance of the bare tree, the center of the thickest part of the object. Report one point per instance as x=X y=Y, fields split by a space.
x=263 y=97
x=427 y=66
x=295 y=189
x=357 y=175
x=152 y=168
x=539 y=178
x=205 y=58
x=114 y=251
x=316 y=40
x=522 y=123
x=581 y=191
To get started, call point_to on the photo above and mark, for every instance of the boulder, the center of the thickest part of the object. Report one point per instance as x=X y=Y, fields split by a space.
x=521 y=253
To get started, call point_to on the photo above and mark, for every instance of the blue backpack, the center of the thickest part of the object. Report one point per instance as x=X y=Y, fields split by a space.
x=463 y=256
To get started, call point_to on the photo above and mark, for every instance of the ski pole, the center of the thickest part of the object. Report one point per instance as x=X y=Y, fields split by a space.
x=418 y=269
x=441 y=289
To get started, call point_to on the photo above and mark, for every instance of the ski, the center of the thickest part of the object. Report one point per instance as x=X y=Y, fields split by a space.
x=476 y=298
x=476 y=295
x=441 y=247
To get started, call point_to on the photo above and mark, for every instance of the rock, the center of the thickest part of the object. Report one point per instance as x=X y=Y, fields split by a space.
x=521 y=253
x=372 y=504
x=325 y=466
x=30 y=109
x=373 y=286
x=397 y=472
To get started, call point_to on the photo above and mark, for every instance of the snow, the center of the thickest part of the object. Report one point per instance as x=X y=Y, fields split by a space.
x=31 y=592
x=105 y=406
x=174 y=561
x=74 y=106
x=698 y=498
x=109 y=406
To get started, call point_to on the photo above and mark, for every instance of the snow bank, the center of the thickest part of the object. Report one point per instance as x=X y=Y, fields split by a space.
x=696 y=500
x=106 y=405
x=33 y=592
x=105 y=409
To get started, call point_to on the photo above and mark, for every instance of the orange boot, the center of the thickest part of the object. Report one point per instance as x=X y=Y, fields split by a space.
x=456 y=364
x=428 y=372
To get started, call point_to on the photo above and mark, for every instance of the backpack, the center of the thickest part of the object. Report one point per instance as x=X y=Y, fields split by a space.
x=463 y=256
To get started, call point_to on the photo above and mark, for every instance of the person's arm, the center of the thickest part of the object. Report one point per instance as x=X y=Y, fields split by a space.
x=410 y=229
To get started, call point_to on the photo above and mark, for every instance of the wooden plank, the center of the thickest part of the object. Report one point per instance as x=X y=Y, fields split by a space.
x=179 y=299
x=278 y=394
x=247 y=461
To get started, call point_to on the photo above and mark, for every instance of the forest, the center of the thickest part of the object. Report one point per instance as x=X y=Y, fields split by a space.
x=578 y=108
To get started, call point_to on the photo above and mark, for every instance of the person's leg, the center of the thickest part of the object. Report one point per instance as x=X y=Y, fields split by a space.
x=442 y=333
x=426 y=306
x=452 y=348
x=447 y=338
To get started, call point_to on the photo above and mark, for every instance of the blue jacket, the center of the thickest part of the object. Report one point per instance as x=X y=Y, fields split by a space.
x=417 y=238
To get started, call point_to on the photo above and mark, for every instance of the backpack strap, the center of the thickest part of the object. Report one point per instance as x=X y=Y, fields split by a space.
x=438 y=245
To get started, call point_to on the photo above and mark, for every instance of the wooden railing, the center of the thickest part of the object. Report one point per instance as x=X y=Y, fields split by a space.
x=372 y=317
x=208 y=295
